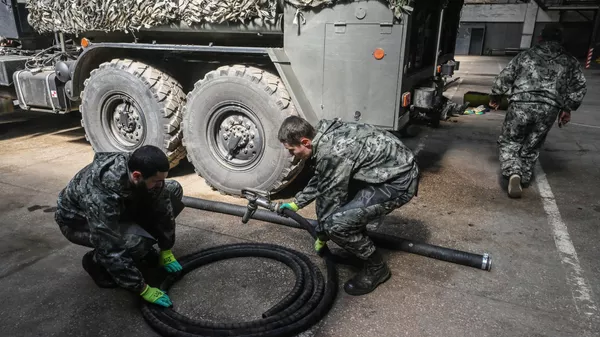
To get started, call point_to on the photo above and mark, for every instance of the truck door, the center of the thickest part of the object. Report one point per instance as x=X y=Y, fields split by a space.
x=360 y=72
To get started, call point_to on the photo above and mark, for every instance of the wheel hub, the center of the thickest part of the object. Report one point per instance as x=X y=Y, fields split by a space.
x=237 y=137
x=126 y=124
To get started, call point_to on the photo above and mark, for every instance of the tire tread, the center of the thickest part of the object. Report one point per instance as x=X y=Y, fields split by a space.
x=167 y=91
x=271 y=84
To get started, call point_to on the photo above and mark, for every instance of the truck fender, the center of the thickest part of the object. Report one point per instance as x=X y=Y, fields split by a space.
x=97 y=53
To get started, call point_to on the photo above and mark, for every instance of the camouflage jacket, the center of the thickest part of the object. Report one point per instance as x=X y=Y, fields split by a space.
x=543 y=74
x=350 y=151
x=101 y=193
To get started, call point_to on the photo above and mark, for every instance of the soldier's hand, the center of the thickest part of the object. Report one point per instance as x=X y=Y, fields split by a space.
x=321 y=242
x=564 y=118
x=167 y=259
x=156 y=296
x=290 y=205
x=494 y=105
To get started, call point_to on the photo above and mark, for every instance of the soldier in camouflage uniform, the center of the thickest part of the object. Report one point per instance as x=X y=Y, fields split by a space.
x=361 y=174
x=544 y=81
x=120 y=205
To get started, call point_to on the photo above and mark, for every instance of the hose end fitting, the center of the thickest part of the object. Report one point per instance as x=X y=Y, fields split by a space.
x=486 y=262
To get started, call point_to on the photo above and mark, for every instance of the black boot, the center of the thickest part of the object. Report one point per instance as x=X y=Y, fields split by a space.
x=97 y=272
x=374 y=272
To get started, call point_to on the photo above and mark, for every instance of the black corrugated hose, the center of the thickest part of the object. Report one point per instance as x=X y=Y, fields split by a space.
x=306 y=304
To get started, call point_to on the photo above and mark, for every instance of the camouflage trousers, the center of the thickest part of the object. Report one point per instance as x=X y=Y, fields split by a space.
x=347 y=226
x=524 y=131
x=137 y=228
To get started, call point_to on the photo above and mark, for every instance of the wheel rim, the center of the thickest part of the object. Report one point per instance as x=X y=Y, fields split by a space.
x=123 y=121
x=235 y=136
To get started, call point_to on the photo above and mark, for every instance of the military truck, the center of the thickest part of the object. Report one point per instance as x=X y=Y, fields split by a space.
x=217 y=87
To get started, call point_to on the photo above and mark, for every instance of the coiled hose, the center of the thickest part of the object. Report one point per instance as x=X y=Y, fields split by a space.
x=307 y=303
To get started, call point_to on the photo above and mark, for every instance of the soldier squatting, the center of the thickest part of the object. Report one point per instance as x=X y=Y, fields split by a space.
x=361 y=174
x=121 y=205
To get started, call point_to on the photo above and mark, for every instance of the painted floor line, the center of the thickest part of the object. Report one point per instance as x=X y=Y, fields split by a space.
x=580 y=289
x=585 y=125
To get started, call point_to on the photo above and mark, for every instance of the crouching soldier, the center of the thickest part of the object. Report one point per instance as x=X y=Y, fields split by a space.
x=120 y=205
x=361 y=174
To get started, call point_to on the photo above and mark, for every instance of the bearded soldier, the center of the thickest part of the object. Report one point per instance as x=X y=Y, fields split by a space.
x=121 y=205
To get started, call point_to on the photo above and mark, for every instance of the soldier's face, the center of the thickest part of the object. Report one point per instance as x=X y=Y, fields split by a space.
x=156 y=181
x=302 y=151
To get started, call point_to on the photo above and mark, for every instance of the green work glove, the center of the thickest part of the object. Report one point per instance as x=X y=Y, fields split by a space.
x=156 y=296
x=289 y=205
x=168 y=260
x=321 y=242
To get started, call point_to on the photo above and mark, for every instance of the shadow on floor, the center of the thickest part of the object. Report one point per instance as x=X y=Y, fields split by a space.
x=409 y=229
x=20 y=124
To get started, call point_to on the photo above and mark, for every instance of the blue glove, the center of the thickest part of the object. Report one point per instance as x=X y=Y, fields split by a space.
x=168 y=260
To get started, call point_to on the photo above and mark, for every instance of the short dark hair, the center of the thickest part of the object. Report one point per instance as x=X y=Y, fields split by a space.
x=552 y=32
x=148 y=160
x=293 y=129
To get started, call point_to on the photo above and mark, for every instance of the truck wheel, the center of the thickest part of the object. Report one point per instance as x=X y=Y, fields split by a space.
x=230 y=126
x=127 y=104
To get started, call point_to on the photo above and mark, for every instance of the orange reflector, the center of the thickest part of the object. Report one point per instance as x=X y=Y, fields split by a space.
x=406 y=99
x=378 y=53
x=439 y=69
x=85 y=42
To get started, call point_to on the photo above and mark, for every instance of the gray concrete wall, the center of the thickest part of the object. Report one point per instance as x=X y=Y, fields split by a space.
x=498 y=35
x=496 y=15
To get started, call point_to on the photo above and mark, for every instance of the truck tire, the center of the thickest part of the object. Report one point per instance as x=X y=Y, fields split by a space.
x=127 y=104
x=249 y=102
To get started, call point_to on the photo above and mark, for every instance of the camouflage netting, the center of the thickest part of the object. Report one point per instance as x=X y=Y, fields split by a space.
x=76 y=16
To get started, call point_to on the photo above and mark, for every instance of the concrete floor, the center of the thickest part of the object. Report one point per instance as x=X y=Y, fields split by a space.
x=544 y=281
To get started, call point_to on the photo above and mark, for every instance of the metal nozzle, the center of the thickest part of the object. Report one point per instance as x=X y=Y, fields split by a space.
x=256 y=198
x=249 y=212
